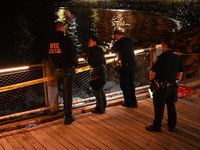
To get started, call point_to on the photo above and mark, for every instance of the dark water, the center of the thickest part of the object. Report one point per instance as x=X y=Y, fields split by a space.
x=24 y=27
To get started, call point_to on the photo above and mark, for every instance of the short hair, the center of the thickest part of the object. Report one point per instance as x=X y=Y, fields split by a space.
x=58 y=25
x=96 y=39
x=119 y=32
x=168 y=40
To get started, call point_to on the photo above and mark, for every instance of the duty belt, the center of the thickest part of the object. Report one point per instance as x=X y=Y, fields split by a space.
x=164 y=85
x=170 y=84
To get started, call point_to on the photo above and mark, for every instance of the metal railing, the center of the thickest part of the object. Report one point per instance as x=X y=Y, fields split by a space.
x=34 y=90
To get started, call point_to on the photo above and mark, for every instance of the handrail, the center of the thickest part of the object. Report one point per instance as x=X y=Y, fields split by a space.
x=6 y=70
x=24 y=113
x=24 y=84
x=45 y=79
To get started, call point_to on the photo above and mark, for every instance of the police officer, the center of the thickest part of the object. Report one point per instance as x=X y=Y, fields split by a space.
x=63 y=60
x=164 y=73
x=124 y=48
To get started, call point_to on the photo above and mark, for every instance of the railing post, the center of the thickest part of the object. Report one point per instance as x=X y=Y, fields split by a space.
x=51 y=90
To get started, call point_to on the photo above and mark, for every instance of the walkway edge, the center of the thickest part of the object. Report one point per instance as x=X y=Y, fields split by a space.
x=59 y=115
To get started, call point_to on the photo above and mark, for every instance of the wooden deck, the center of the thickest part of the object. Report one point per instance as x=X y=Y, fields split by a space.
x=119 y=128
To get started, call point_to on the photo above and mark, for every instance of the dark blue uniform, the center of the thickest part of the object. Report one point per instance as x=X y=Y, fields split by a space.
x=124 y=47
x=166 y=68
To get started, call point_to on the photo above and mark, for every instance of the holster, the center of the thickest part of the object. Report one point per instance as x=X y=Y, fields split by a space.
x=156 y=85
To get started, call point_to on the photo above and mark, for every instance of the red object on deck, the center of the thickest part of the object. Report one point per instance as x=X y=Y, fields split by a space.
x=184 y=90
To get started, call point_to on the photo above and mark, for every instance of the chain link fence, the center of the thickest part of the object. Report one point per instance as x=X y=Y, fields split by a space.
x=33 y=96
x=24 y=98
x=82 y=89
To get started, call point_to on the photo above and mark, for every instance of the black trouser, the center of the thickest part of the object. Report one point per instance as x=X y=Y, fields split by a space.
x=101 y=99
x=99 y=91
x=126 y=79
x=66 y=76
x=160 y=98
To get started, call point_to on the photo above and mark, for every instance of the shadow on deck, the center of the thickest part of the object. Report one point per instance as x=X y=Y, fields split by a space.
x=119 y=128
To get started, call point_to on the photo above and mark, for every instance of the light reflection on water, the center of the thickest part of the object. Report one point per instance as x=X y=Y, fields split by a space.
x=102 y=22
x=25 y=41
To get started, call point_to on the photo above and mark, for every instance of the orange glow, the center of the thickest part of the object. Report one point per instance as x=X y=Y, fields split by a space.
x=13 y=69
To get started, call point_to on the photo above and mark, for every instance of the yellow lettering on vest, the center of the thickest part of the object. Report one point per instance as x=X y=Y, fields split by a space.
x=54 y=48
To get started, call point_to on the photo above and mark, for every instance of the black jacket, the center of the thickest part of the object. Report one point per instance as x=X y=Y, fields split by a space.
x=96 y=56
x=124 y=47
x=61 y=52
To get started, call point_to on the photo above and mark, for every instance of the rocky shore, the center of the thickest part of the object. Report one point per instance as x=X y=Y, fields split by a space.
x=187 y=45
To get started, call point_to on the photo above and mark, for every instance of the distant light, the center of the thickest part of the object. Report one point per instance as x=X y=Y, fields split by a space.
x=139 y=51
x=81 y=59
x=110 y=55
x=159 y=46
x=13 y=69
x=119 y=10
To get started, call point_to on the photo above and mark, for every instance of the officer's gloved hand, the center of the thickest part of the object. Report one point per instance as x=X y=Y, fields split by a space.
x=177 y=83
x=152 y=86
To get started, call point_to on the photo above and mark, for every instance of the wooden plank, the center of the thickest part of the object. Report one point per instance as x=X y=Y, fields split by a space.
x=90 y=136
x=80 y=139
x=119 y=128
x=21 y=138
x=187 y=138
x=49 y=137
x=103 y=132
x=31 y=139
x=4 y=143
x=111 y=131
x=188 y=110
x=68 y=137
x=180 y=115
x=42 y=140
x=12 y=142
x=192 y=82
x=106 y=142
x=187 y=118
x=155 y=137
x=128 y=119
x=1 y=147
x=187 y=107
x=56 y=135
x=189 y=103
x=132 y=140
x=186 y=126
x=96 y=143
